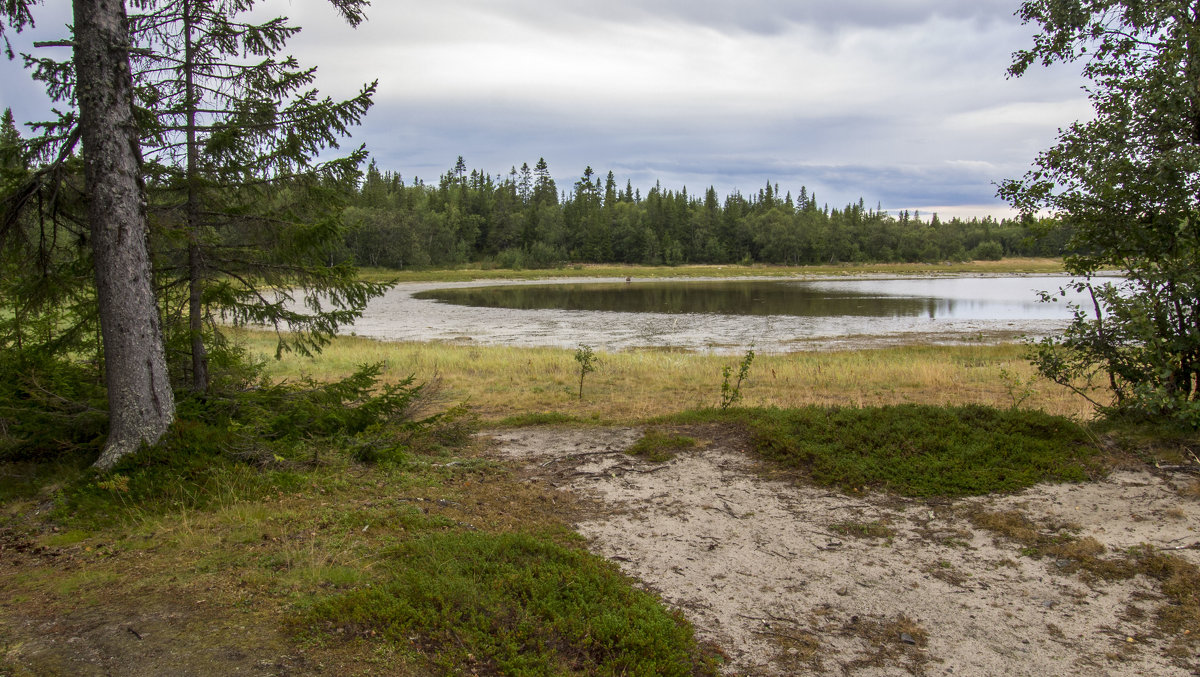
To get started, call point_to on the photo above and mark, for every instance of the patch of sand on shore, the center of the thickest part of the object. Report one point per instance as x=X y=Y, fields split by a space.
x=786 y=577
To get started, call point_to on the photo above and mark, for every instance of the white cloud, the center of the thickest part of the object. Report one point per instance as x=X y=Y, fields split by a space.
x=1021 y=114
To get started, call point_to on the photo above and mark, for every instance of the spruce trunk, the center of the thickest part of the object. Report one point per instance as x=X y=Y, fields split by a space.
x=195 y=256
x=141 y=404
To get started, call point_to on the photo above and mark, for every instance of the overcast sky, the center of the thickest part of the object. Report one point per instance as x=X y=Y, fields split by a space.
x=901 y=102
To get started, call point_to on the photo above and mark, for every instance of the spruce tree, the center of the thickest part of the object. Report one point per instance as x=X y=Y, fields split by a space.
x=247 y=217
x=545 y=192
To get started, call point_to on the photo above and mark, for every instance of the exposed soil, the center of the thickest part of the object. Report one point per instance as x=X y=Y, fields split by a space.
x=789 y=578
x=188 y=631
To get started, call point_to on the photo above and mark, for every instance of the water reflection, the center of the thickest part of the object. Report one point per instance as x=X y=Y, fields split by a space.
x=957 y=298
x=690 y=315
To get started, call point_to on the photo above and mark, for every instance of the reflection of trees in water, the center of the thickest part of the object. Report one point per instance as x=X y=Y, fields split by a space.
x=719 y=298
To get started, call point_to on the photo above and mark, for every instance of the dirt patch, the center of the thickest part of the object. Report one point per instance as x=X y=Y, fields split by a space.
x=137 y=641
x=787 y=577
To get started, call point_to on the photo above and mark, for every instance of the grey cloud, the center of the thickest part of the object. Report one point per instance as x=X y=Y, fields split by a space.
x=891 y=106
x=776 y=16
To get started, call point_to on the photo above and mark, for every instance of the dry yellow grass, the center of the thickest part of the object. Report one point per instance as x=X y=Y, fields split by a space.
x=502 y=381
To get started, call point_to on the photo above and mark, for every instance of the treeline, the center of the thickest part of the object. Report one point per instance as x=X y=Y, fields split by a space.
x=523 y=220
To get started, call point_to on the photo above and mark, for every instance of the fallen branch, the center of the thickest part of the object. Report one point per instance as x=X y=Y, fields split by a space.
x=644 y=472
x=1195 y=469
x=580 y=455
x=727 y=510
x=781 y=635
x=769 y=618
x=614 y=471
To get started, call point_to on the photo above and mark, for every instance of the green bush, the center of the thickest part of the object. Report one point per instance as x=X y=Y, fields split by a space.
x=989 y=250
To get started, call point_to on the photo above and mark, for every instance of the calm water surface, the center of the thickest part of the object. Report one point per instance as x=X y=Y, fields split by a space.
x=727 y=316
x=957 y=298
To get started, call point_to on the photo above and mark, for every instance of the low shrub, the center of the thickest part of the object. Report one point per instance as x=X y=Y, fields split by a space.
x=469 y=602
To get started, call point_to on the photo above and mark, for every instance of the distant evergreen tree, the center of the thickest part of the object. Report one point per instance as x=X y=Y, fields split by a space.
x=544 y=190
x=525 y=184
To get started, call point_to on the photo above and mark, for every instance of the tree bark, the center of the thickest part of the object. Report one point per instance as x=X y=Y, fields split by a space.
x=140 y=402
x=196 y=270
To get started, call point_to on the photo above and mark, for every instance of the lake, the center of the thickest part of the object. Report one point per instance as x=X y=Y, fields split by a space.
x=728 y=316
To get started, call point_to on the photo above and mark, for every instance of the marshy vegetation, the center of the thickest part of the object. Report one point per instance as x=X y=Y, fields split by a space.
x=500 y=382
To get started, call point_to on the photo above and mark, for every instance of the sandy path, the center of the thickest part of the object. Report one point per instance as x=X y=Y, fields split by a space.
x=769 y=572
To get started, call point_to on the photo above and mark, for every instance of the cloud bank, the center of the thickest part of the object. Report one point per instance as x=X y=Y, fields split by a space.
x=901 y=102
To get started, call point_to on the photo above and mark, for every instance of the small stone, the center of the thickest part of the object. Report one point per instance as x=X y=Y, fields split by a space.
x=842 y=592
x=907 y=639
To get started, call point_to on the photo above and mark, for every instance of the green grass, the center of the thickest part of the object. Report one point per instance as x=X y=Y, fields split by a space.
x=516 y=385
x=920 y=450
x=657 y=446
x=178 y=475
x=513 y=604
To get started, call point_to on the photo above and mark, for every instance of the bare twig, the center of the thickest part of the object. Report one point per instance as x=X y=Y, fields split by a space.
x=556 y=459
x=1195 y=469
x=769 y=617
x=781 y=635
x=1193 y=546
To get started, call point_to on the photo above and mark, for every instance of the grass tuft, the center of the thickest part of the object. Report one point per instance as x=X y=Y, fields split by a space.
x=872 y=529
x=657 y=446
x=1191 y=490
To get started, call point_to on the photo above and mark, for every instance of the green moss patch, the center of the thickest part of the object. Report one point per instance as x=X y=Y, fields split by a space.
x=920 y=450
x=513 y=604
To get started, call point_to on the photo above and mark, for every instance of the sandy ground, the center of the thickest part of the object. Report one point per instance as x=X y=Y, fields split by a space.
x=771 y=571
